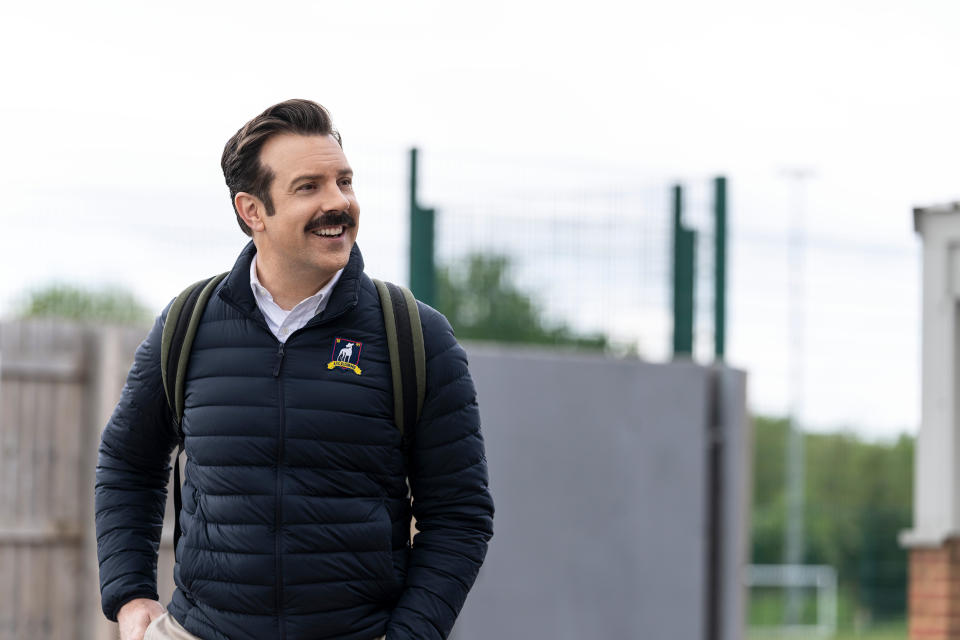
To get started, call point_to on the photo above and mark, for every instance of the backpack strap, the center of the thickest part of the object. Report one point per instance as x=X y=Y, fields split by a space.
x=179 y=330
x=401 y=317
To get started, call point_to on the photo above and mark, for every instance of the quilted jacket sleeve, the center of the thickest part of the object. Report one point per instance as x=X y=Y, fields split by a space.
x=131 y=482
x=451 y=498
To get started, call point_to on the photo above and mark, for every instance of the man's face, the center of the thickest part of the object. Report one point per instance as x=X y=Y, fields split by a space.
x=316 y=215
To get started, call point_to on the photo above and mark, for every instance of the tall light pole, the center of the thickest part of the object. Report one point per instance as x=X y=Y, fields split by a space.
x=793 y=540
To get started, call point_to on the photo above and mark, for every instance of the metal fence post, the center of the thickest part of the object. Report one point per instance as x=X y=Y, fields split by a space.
x=684 y=260
x=720 y=267
x=422 y=269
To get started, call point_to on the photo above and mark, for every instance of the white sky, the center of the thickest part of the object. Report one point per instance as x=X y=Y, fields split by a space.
x=114 y=115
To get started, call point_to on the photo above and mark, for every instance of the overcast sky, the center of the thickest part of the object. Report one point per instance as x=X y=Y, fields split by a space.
x=115 y=113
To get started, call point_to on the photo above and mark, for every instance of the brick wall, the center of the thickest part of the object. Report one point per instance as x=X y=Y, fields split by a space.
x=934 y=592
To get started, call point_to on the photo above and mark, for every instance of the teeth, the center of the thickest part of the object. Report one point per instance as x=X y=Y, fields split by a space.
x=328 y=231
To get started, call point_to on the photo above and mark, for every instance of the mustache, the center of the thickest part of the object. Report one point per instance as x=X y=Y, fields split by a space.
x=331 y=219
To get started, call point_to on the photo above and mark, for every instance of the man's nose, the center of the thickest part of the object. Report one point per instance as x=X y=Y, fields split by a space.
x=334 y=199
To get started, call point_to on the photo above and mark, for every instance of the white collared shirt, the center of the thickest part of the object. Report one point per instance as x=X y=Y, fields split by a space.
x=280 y=321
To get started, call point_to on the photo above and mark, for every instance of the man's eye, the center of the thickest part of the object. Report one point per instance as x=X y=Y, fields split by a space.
x=305 y=187
x=346 y=183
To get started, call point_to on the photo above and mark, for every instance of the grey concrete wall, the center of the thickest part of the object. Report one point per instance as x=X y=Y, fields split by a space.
x=598 y=470
x=737 y=498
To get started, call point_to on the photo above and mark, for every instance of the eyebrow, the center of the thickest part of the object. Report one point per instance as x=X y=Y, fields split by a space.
x=318 y=176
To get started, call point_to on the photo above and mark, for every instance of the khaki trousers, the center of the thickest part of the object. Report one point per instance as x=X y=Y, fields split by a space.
x=166 y=627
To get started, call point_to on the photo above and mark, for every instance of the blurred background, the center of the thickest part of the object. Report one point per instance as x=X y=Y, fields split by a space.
x=560 y=148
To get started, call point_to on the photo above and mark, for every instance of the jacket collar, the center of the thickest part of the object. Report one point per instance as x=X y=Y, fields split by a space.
x=236 y=286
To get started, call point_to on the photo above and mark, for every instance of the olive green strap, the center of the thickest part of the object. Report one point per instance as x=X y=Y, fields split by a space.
x=191 y=333
x=419 y=354
x=169 y=329
x=179 y=330
x=390 y=325
x=401 y=319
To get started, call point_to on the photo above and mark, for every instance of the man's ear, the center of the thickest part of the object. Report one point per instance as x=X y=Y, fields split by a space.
x=251 y=210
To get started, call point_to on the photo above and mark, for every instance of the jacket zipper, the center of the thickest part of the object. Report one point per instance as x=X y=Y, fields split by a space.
x=276 y=367
x=313 y=322
x=279 y=490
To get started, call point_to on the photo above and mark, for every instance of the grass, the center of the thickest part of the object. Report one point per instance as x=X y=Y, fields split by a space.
x=766 y=613
x=885 y=631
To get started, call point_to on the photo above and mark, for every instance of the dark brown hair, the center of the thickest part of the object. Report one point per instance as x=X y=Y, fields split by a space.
x=240 y=162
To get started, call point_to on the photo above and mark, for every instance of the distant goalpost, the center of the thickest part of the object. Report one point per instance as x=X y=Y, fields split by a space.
x=823 y=578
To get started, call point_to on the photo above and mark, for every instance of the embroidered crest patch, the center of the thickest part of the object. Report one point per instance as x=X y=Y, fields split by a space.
x=346 y=355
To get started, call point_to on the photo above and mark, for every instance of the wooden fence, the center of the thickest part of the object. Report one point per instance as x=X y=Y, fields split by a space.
x=59 y=383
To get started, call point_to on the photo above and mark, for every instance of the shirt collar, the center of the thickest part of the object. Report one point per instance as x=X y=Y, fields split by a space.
x=345 y=296
x=261 y=294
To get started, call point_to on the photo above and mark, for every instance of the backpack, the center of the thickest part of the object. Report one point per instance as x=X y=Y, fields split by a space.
x=401 y=319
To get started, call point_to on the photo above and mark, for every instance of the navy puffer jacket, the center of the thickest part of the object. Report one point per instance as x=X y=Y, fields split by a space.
x=295 y=513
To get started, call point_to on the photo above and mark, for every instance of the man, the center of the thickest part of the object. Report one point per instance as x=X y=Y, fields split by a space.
x=296 y=511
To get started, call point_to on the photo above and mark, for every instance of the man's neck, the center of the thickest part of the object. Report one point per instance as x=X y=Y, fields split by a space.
x=289 y=287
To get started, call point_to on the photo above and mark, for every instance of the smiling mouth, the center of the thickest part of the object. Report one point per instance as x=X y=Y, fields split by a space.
x=330 y=232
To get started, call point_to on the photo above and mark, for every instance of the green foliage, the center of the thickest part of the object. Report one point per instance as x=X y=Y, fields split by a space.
x=858 y=498
x=482 y=303
x=108 y=304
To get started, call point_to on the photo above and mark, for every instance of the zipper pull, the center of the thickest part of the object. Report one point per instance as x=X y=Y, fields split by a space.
x=276 y=368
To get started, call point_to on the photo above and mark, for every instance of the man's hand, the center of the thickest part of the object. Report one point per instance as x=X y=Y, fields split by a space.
x=135 y=616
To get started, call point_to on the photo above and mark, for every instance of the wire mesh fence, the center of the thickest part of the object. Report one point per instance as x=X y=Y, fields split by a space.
x=591 y=249
x=593 y=263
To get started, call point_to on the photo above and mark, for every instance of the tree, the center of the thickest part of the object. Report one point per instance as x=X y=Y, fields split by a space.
x=106 y=304
x=858 y=497
x=482 y=303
